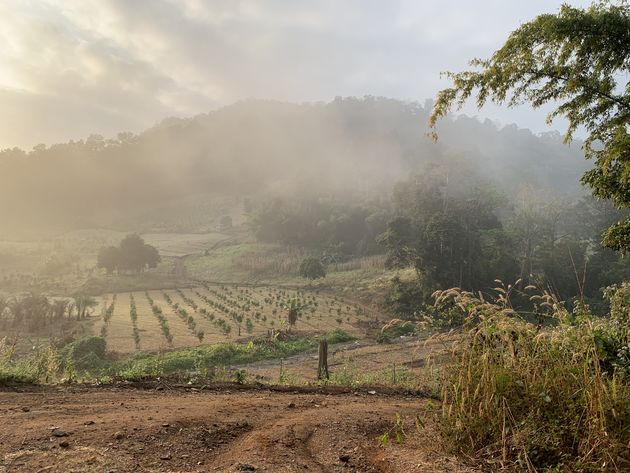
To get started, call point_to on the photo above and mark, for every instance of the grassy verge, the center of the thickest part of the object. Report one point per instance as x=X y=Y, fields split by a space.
x=87 y=359
x=202 y=361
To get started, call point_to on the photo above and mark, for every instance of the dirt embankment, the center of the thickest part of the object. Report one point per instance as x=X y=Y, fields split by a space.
x=191 y=430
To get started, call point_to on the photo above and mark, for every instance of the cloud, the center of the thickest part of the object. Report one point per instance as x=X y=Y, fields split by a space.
x=73 y=67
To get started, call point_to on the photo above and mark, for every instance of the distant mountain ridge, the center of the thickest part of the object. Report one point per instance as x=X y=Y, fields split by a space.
x=207 y=164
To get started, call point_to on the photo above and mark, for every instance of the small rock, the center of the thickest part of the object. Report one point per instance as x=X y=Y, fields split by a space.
x=372 y=392
x=166 y=456
x=166 y=425
x=291 y=405
x=25 y=409
x=245 y=467
x=88 y=422
x=59 y=433
x=119 y=435
x=345 y=458
x=64 y=444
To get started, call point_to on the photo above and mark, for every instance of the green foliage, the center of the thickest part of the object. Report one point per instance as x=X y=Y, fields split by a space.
x=576 y=60
x=210 y=357
x=85 y=355
x=536 y=399
x=312 y=268
x=447 y=229
x=339 y=227
x=132 y=254
x=405 y=299
x=449 y=233
x=40 y=366
x=240 y=376
x=294 y=308
x=338 y=336
x=397 y=431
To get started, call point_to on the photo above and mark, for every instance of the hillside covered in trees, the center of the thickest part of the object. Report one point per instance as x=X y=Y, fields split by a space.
x=206 y=165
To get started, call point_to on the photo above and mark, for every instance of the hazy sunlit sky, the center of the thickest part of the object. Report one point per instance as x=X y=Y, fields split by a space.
x=69 y=68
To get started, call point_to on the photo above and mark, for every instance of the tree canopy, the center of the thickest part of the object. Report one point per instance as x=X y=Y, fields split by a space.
x=576 y=60
x=132 y=254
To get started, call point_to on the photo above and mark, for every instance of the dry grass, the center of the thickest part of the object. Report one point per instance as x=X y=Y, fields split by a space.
x=536 y=399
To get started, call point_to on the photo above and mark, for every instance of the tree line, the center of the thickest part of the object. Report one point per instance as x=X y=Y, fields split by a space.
x=455 y=228
x=31 y=312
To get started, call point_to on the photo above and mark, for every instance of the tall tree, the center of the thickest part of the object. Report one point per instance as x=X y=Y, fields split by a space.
x=108 y=258
x=132 y=254
x=576 y=60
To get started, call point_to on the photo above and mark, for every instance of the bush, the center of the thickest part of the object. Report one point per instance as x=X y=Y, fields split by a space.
x=406 y=299
x=312 y=268
x=86 y=354
x=537 y=399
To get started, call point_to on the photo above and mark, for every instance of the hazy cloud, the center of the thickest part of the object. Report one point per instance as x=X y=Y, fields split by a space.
x=73 y=67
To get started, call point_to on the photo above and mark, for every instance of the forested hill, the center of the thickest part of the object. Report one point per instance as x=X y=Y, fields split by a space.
x=209 y=163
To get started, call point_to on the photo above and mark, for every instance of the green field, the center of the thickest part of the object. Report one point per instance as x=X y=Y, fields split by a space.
x=177 y=318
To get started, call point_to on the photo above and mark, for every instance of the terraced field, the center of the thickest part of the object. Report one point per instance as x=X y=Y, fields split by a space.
x=175 y=318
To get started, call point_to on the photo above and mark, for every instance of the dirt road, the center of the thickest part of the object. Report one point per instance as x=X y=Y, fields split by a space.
x=186 y=430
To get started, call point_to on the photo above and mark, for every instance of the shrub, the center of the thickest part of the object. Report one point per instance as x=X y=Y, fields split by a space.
x=521 y=396
x=312 y=268
x=87 y=354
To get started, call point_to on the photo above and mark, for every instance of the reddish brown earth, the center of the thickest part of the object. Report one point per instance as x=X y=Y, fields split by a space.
x=122 y=429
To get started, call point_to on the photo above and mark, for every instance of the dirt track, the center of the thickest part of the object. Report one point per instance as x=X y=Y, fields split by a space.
x=183 y=430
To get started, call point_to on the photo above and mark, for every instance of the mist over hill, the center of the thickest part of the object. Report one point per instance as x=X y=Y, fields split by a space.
x=183 y=174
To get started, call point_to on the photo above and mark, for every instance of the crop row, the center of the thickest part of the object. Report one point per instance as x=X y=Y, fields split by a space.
x=107 y=315
x=189 y=320
x=159 y=315
x=133 y=313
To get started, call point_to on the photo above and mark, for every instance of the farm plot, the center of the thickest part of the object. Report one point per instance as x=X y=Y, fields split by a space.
x=181 y=244
x=176 y=318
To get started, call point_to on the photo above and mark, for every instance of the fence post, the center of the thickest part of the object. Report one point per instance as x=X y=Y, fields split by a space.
x=322 y=369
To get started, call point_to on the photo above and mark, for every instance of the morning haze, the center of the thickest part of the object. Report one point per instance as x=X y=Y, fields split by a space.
x=271 y=236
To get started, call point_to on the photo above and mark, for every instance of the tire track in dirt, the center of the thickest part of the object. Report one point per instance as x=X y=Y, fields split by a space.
x=128 y=430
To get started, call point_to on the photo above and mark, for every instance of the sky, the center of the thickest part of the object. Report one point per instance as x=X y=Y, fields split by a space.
x=70 y=68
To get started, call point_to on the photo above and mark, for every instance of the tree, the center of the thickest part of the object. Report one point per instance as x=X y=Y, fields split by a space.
x=108 y=258
x=312 y=268
x=294 y=309
x=83 y=304
x=151 y=256
x=132 y=254
x=575 y=60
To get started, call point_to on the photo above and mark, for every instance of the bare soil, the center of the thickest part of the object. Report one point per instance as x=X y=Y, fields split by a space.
x=226 y=429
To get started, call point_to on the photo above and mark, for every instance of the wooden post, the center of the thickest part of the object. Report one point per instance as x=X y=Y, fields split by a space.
x=322 y=369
